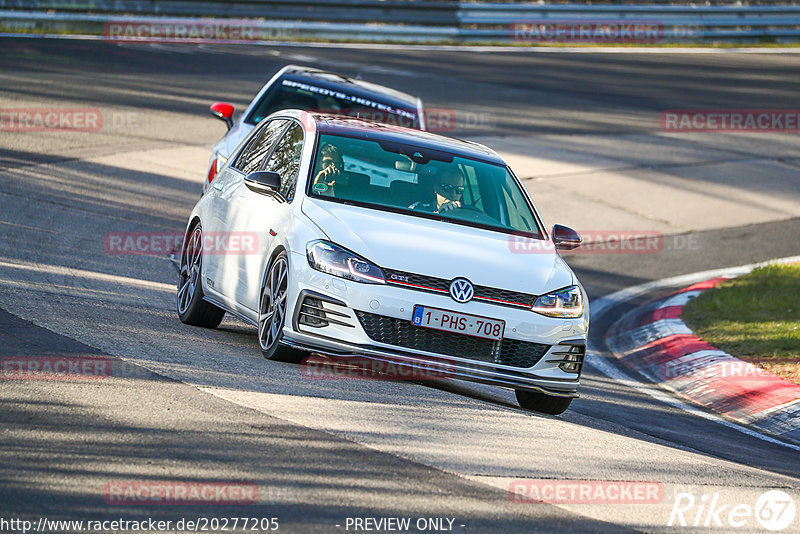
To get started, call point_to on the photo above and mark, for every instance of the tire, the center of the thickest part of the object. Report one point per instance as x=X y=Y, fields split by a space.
x=192 y=309
x=272 y=313
x=539 y=402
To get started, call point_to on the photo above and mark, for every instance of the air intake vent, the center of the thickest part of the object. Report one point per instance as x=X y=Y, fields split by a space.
x=312 y=313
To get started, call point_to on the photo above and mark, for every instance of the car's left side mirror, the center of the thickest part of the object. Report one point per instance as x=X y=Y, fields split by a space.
x=224 y=112
x=565 y=238
x=264 y=182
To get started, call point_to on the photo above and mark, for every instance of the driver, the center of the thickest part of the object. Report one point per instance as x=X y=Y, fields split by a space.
x=448 y=192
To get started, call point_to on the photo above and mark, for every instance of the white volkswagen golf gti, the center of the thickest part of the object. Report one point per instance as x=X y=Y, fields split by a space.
x=345 y=237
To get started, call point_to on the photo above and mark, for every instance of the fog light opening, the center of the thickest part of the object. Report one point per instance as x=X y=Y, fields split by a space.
x=312 y=313
x=571 y=357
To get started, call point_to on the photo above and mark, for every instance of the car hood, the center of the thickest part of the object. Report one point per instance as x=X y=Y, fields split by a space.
x=440 y=249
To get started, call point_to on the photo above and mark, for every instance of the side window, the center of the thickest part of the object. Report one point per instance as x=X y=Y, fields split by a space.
x=285 y=160
x=237 y=164
x=252 y=157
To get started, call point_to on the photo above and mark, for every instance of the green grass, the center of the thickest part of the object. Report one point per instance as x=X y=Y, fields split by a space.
x=755 y=317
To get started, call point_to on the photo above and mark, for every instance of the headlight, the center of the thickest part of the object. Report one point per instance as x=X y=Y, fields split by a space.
x=567 y=302
x=333 y=259
x=220 y=162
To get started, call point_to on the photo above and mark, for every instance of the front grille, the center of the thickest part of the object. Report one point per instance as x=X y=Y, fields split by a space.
x=504 y=297
x=417 y=281
x=402 y=333
x=431 y=284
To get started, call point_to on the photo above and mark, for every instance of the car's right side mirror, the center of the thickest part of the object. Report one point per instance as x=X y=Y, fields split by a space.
x=565 y=238
x=264 y=182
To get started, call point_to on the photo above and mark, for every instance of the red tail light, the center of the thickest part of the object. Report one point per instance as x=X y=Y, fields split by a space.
x=212 y=171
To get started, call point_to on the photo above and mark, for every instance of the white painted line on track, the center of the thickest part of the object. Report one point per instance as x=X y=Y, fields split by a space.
x=72 y=272
x=681 y=299
x=619 y=297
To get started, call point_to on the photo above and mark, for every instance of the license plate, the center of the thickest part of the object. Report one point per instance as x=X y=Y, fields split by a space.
x=460 y=323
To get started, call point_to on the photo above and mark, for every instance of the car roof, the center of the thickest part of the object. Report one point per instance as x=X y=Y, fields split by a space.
x=378 y=131
x=332 y=80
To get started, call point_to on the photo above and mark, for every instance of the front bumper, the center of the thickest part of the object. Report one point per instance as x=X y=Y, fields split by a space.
x=343 y=333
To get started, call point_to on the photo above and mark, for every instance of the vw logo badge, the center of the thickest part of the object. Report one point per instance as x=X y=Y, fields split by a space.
x=461 y=290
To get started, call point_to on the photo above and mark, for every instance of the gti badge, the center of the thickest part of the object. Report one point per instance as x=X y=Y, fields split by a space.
x=461 y=290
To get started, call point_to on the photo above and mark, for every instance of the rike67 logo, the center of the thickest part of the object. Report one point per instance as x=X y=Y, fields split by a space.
x=774 y=510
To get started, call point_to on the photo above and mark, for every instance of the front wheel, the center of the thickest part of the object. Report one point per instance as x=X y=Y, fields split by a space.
x=539 y=402
x=192 y=309
x=272 y=313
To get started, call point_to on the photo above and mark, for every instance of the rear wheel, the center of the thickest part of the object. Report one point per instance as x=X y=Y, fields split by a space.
x=539 y=402
x=192 y=309
x=272 y=313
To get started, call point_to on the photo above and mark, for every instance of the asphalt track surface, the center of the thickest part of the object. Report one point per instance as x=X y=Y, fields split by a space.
x=190 y=404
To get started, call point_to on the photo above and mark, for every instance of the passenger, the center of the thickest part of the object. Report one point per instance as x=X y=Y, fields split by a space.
x=332 y=168
x=447 y=193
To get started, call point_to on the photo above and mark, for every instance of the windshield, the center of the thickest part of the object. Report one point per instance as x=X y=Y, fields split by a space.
x=421 y=182
x=291 y=94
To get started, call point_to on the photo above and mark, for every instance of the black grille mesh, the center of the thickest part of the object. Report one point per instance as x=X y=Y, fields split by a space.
x=402 y=333
x=510 y=298
x=513 y=299
x=418 y=279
